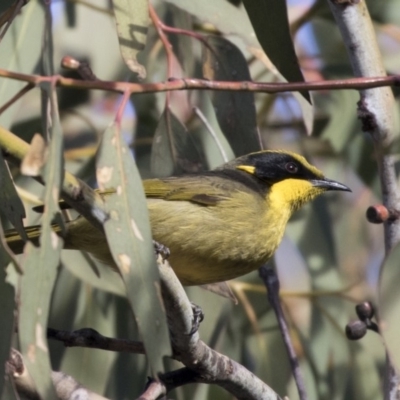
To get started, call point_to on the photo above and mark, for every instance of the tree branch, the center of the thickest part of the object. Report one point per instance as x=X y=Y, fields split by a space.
x=201 y=84
x=66 y=387
x=375 y=109
x=208 y=365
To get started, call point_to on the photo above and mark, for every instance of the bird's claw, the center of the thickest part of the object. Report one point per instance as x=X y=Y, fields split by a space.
x=198 y=317
x=161 y=250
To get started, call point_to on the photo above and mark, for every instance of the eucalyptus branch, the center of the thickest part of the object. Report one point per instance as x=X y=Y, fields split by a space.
x=88 y=337
x=375 y=109
x=66 y=387
x=76 y=192
x=208 y=365
x=203 y=84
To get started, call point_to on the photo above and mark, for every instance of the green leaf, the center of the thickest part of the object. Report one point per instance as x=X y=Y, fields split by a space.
x=173 y=151
x=3 y=7
x=182 y=44
x=93 y=273
x=270 y=22
x=129 y=236
x=235 y=111
x=40 y=265
x=23 y=45
x=7 y=309
x=232 y=20
x=132 y=20
x=10 y=203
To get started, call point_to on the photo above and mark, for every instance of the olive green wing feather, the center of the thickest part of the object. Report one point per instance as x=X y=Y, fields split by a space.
x=206 y=190
x=197 y=189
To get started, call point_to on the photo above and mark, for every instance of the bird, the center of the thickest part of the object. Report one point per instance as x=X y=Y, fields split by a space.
x=219 y=224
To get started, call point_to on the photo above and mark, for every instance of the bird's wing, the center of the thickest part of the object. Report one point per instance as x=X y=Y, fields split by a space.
x=205 y=190
x=197 y=189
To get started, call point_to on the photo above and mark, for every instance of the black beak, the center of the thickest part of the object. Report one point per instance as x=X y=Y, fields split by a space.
x=328 y=184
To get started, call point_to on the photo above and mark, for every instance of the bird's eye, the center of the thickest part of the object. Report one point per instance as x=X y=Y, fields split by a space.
x=292 y=167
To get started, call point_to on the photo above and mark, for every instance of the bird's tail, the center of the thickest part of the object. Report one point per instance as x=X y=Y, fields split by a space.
x=16 y=243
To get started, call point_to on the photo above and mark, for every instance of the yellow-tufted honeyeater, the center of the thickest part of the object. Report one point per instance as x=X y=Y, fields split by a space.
x=219 y=224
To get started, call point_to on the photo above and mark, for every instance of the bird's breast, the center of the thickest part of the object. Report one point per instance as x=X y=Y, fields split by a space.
x=217 y=243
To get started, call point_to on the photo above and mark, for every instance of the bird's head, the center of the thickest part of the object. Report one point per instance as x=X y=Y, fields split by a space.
x=289 y=177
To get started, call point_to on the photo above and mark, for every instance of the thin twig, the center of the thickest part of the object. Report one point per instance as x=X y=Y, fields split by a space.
x=203 y=84
x=14 y=11
x=88 y=337
x=271 y=281
x=16 y=97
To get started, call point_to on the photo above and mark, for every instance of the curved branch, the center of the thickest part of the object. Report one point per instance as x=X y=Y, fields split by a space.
x=208 y=365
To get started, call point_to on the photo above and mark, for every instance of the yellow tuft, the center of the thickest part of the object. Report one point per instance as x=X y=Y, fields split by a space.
x=247 y=168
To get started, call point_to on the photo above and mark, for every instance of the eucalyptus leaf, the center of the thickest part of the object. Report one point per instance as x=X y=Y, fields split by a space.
x=183 y=45
x=231 y=20
x=10 y=204
x=40 y=265
x=23 y=45
x=92 y=272
x=129 y=236
x=174 y=151
x=270 y=22
x=4 y=5
x=235 y=111
x=7 y=310
x=132 y=20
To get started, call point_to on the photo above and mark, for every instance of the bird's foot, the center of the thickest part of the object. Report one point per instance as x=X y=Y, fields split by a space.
x=198 y=317
x=161 y=250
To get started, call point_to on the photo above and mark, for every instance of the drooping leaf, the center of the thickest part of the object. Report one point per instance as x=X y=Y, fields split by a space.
x=40 y=265
x=129 y=236
x=132 y=20
x=23 y=45
x=6 y=4
x=183 y=45
x=232 y=20
x=214 y=144
x=10 y=204
x=270 y=22
x=7 y=310
x=174 y=151
x=235 y=111
x=93 y=273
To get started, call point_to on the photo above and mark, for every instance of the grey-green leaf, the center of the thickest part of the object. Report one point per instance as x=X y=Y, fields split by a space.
x=235 y=111
x=10 y=203
x=174 y=151
x=270 y=22
x=23 y=45
x=7 y=309
x=132 y=18
x=40 y=265
x=129 y=236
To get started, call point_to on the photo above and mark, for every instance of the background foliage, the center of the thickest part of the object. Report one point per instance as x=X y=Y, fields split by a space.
x=330 y=257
